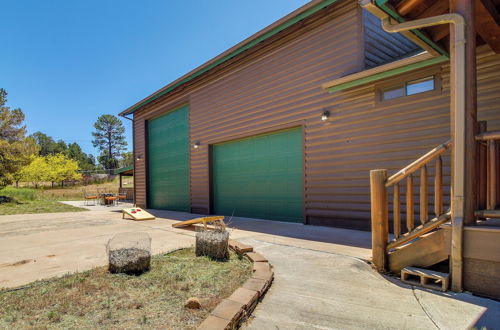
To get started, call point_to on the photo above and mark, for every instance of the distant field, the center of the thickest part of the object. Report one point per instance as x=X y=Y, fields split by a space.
x=46 y=199
x=26 y=200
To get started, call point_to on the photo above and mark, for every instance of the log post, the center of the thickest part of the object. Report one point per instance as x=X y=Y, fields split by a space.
x=492 y=174
x=482 y=165
x=380 y=218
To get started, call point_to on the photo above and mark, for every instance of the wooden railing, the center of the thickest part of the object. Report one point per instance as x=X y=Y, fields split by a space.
x=489 y=172
x=380 y=185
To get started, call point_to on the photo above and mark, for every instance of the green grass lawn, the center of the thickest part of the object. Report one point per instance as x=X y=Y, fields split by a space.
x=26 y=200
x=154 y=300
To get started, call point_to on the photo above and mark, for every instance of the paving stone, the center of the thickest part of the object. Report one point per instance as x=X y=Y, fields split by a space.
x=266 y=275
x=239 y=247
x=245 y=296
x=256 y=257
x=262 y=266
x=214 y=323
x=228 y=310
x=256 y=284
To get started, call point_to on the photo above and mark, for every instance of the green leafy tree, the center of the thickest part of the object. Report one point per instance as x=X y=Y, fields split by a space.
x=15 y=148
x=46 y=144
x=36 y=172
x=109 y=138
x=85 y=161
x=127 y=159
x=50 y=168
x=61 y=168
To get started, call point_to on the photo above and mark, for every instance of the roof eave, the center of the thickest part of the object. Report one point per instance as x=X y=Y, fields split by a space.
x=278 y=26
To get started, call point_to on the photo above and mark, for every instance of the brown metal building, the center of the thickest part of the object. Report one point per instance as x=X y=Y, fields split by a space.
x=257 y=97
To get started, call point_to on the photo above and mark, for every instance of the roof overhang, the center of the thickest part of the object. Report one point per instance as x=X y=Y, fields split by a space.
x=128 y=170
x=384 y=71
x=278 y=26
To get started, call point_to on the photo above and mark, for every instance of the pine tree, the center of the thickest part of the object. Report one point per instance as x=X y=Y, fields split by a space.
x=109 y=138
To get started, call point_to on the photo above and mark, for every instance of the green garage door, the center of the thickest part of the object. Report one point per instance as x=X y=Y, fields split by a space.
x=168 y=161
x=260 y=177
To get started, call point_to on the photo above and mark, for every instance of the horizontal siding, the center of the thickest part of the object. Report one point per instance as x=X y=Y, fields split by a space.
x=277 y=90
x=280 y=87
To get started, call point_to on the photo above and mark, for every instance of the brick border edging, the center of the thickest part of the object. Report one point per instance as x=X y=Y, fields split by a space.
x=231 y=312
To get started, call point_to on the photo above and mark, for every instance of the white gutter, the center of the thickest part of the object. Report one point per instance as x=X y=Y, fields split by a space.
x=457 y=62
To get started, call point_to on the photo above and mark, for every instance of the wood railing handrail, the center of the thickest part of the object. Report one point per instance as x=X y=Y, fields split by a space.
x=486 y=136
x=419 y=231
x=417 y=164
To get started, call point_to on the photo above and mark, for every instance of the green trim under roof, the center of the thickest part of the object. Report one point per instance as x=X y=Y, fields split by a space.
x=387 y=74
x=248 y=45
x=382 y=4
x=123 y=169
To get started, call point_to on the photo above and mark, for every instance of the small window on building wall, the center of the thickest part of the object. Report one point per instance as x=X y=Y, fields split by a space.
x=409 y=88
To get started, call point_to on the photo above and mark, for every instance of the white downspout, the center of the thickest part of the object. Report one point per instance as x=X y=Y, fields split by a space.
x=458 y=137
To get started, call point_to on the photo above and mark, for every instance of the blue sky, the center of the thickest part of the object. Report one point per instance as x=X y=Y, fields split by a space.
x=65 y=62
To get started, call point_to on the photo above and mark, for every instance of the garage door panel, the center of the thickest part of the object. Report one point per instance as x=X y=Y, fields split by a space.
x=260 y=177
x=168 y=161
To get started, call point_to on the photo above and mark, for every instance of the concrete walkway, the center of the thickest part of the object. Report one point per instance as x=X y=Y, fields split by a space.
x=321 y=280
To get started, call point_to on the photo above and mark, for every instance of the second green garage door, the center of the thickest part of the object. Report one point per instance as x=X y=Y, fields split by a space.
x=260 y=177
x=168 y=161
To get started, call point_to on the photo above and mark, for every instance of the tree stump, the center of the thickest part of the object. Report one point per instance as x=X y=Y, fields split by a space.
x=129 y=253
x=213 y=244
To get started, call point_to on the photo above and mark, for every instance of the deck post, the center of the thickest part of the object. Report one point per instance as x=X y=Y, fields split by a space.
x=482 y=162
x=380 y=218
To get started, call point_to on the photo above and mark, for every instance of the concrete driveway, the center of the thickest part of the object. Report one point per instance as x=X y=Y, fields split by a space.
x=321 y=278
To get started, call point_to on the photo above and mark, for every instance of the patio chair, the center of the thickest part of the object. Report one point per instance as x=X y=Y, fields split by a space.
x=89 y=197
x=122 y=194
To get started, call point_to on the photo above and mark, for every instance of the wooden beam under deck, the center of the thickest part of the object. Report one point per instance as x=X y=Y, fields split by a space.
x=488 y=23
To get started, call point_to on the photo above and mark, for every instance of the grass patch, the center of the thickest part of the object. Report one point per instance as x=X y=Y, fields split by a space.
x=26 y=200
x=98 y=299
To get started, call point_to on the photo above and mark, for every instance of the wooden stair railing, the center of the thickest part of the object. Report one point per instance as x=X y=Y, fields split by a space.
x=380 y=184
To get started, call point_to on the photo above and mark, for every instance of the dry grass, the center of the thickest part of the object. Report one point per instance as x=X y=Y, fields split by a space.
x=25 y=200
x=97 y=299
x=76 y=193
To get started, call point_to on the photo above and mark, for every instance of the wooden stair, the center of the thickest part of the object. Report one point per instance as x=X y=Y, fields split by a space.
x=429 y=249
x=492 y=214
x=425 y=278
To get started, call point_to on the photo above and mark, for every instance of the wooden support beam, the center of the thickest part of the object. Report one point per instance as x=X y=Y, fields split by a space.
x=488 y=23
x=437 y=8
x=380 y=218
x=439 y=32
x=407 y=6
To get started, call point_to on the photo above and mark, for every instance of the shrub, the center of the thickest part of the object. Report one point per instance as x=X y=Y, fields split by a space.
x=20 y=194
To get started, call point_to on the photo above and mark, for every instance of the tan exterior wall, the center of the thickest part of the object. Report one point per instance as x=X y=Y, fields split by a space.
x=279 y=86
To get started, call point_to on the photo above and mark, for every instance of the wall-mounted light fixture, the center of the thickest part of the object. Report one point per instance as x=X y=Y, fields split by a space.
x=325 y=115
x=196 y=145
